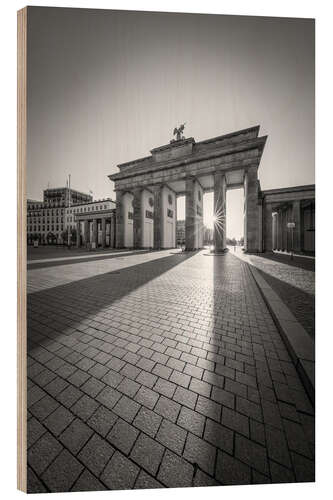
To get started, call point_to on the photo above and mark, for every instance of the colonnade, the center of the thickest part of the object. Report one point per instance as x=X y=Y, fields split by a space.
x=277 y=235
x=87 y=230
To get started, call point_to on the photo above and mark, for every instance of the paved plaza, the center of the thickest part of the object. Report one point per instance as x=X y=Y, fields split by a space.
x=293 y=280
x=159 y=369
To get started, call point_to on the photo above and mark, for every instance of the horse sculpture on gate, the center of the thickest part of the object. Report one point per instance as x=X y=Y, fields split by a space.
x=178 y=132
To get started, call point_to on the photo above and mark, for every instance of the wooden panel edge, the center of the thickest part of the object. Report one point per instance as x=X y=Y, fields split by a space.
x=21 y=250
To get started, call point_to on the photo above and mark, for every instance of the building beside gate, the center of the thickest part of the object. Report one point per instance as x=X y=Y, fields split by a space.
x=94 y=223
x=46 y=220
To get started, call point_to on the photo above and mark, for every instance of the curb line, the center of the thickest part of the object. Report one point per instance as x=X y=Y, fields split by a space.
x=299 y=344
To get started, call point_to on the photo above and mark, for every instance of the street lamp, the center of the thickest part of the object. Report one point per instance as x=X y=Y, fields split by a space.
x=69 y=204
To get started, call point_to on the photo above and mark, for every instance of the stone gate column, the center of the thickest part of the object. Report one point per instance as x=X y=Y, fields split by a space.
x=78 y=234
x=260 y=226
x=137 y=218
x=158 y=222
x=95 y=233
x=103 y=232
x=112 y=230
x=279 y=230
x=296 y=215
x=190 y=213
x=119 y=220
x=284 y=230
x=268 y=222
x=220 y=228
x=86 y=232
x=251 y=210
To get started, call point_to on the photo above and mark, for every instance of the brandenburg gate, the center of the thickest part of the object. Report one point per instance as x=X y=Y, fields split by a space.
x=147 y=190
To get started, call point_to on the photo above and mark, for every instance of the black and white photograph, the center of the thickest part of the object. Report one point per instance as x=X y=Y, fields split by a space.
x=168 y=249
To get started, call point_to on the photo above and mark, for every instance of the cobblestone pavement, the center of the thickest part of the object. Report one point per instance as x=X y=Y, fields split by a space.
x=160 y=370
x=293 y=281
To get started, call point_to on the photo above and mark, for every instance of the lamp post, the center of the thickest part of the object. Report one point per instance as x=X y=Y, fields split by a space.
x=69 y=204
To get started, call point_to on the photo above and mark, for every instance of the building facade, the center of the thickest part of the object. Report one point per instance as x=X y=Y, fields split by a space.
x=46 y=220
x=93 y=223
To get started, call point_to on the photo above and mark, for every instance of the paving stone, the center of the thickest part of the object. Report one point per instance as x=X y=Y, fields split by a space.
x=62 y=473
x=45 y=377
x=43 y=452
x=69 y=396
x=145 y=481
x=115 y=364
x=44 y=407
x=258 y=478
x=102 y=420
x=257 y=432
x=34 y=431
x=128 y=387
x=35 y=394
x=34 y=485
x=162 y=371
x=208 y=408
x=120 y=473
x=59 y=420
x=235 y=421
x=296 y=438
x=281 y=474
x=167 y=408
x=88 y=482
x=165 y=387
x=78 y=378
x=92 y=387
x=219 y=436
x=180 y=379
x=277 y=446
x=176 y=364
x=202 y=479
x=126 y=408
x=304 y=468
x=235 y=387
x=224 y=397
x=96 y=454
x=112 y=378
x=75 y=436
x=98 y=371
x=146 y=397
x=185 y=397
x=271 y=414
x=172 y=436
x=229 y=470
x=123 y=436
x=175 y=472
x=193 y=371
x=191 y=421
x=249 y=408
x=200 y=452
x=147 y=453
x=130 y=371
x=147 y=421
x=85 y=407
x=146 y=378
x=109 y=397
x=251 y=453
x=200 y=387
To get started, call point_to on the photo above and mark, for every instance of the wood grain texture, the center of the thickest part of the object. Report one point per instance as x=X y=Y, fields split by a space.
x=21 y=250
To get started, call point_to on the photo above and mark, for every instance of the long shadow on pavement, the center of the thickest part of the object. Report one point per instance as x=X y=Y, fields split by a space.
x=86 y=258
x=51 y=312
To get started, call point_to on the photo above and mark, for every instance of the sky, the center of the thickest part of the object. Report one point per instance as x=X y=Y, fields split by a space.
x=106 y=87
